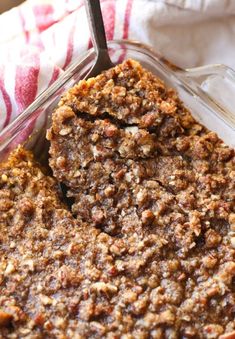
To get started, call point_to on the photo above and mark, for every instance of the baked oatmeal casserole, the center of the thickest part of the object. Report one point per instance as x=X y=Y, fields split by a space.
x=147 y=247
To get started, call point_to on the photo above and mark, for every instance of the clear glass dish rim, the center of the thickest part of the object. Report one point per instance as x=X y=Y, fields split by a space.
x=169 y=67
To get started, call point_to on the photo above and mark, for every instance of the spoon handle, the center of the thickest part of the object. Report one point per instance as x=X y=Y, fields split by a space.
x=96 y=25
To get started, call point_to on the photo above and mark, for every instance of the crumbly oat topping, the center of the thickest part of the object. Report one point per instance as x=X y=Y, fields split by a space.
x=149 y=250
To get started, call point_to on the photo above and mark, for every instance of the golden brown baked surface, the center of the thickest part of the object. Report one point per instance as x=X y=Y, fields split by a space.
x=149 y=251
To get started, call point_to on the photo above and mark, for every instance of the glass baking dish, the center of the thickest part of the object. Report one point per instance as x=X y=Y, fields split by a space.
x=208 y=91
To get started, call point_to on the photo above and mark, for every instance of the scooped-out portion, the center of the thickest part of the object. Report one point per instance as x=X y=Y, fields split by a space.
x=148 y=247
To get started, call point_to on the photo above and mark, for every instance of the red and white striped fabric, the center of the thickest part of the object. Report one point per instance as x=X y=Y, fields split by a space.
x=40 y=38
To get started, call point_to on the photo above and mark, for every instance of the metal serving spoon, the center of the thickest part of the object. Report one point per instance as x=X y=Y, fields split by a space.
x=102 y=61
x=96 y=25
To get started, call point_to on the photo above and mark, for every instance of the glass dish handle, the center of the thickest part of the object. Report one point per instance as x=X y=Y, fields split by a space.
x=216 y=85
